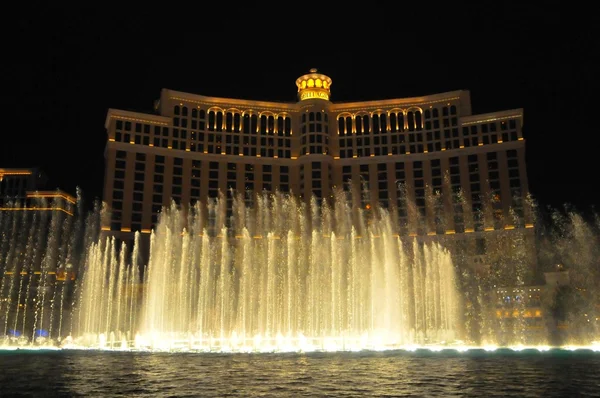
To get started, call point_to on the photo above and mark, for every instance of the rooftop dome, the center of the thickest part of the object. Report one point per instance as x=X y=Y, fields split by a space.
x=313 y=85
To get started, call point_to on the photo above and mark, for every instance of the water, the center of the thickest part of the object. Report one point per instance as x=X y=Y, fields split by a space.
x=375 y=374
x=281 y=276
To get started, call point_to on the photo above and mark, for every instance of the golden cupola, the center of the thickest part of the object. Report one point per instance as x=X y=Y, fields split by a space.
x=313 y=86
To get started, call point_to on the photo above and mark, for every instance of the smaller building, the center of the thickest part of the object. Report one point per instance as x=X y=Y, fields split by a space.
x=15 y=183
x=26 y=190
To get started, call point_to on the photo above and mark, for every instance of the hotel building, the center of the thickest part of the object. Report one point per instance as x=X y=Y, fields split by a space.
x=194 y=147
x=25 y=190
x=41 y=215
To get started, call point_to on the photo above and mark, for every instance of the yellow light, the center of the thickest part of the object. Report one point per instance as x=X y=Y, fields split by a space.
x=367 y=206
x=480 y=144
x=467 y=230
x=488 y=229
x=336 y=157
x=111 y=139
x=462 y=146
x=509 y=227
x=146 y=231
x=450 y=232
x=520 y=138
x=500 y=141
x=310 y=94
x=125 y=229
x=138 y=120
x=430 y=233
x=5 y=172
x=34 y=209
x=528 y=225
x=105 y=228
x=50 y=194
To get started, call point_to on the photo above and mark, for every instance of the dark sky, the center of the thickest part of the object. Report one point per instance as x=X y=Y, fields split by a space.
x=64 y=67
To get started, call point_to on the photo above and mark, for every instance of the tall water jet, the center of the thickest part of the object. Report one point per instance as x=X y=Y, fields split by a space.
x=279 y=273
x=303 y=276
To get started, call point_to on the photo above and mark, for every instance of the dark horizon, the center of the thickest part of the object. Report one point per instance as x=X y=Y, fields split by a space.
x=65 y=73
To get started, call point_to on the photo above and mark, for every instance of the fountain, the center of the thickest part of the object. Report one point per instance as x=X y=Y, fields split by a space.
x=281 y=275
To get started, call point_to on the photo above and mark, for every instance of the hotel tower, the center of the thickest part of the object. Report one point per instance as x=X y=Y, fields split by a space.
x=443 y=170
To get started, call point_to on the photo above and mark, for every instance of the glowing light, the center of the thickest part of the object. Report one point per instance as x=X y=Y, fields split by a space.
x=50 y=194
x=35 y=209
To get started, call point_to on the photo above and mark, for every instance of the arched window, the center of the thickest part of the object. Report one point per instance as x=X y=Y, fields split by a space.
x=376 y=127
x=246 y=123
x=263 y=124
x=288 y=126
x=236 y=122
x=393 y=122
x=271 y=124
x=211 y=120
x=411 y=121
x=219 y=121
x=229 y=122
x=253 y=124
x=418 y=120
x=383 y=122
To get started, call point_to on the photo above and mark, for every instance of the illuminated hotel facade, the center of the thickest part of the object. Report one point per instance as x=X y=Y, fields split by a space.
x=195 y=146
x=39 y=213
x=24 y=190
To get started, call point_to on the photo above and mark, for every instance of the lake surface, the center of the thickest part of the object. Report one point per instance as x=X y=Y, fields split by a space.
x=554 y=373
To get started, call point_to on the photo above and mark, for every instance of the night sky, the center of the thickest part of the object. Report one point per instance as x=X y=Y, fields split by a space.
x=63 y=68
